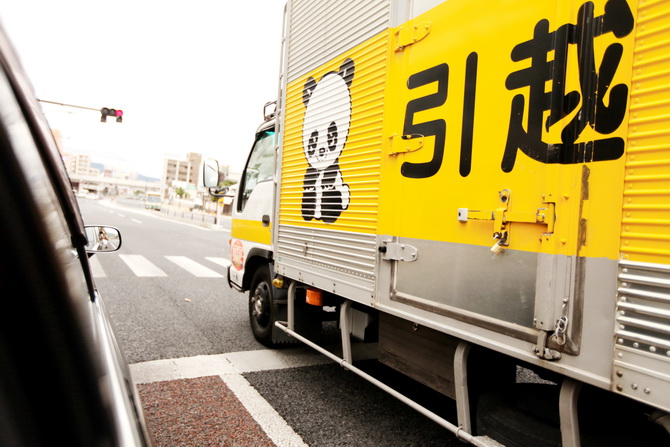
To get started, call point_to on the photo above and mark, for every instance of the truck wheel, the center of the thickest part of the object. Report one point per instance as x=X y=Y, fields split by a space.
x=262 y=309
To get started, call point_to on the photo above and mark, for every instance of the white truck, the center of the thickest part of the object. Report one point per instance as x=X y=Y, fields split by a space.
x=479 y=188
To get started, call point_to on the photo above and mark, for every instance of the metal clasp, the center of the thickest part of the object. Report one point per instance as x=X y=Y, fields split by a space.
x=395 y=251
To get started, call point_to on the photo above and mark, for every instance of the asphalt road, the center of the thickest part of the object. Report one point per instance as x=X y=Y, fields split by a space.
x=203 y=378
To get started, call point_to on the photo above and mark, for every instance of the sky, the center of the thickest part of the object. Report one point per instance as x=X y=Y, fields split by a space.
x=190 y=76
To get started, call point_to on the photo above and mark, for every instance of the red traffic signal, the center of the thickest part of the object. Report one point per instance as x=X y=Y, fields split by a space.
x=105 y=112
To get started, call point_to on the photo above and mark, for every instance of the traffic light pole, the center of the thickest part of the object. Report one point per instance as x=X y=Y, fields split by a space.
x=104 y=112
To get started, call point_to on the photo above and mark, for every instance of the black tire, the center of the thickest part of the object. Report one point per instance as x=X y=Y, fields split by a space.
x=262 y=308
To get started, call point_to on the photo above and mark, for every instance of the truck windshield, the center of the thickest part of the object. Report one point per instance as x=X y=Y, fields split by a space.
x=260 y=167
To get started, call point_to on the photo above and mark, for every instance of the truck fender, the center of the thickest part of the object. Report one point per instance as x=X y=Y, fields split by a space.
x=255 y=258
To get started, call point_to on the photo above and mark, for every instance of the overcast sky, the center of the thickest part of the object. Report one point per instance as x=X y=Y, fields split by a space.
x=190 y=76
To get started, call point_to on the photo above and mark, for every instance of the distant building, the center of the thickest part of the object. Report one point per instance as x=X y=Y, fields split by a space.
x=183 y=171
x=79 y=164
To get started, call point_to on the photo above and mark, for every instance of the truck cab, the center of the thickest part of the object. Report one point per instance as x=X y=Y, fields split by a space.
x=251 y=267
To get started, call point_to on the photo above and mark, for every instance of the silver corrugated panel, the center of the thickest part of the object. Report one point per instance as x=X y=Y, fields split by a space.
x=322 y=30
x=336 y=261
x=643 y=308
x=641 y=364
x=346 y=252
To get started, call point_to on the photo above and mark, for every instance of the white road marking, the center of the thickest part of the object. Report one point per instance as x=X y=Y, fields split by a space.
x=263 y=413
x=96 y=268
x=135 y=220
x=193 y=267
x=230 y=368
x=141 y=266
x=240 y=362
x=223 y=262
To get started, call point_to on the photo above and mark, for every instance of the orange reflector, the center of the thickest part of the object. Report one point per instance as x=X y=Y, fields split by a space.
x=314 y=297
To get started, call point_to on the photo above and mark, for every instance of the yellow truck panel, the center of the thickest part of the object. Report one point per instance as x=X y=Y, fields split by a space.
x=490 y=100
x=359 y=164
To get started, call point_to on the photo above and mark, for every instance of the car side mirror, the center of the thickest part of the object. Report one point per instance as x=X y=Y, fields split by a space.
x=102 y=238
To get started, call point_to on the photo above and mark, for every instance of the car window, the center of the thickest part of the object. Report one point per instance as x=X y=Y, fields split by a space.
x=54 y=222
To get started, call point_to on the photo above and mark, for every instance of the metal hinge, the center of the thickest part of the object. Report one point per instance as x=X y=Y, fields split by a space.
x=408 y=35
x=395 y=251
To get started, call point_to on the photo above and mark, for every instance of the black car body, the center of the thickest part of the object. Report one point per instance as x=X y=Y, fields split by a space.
x=63 y=379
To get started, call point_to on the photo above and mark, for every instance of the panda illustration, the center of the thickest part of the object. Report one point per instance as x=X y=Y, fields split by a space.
x=324 y=134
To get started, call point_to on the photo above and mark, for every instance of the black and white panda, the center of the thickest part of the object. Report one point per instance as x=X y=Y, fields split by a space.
x=324 y=133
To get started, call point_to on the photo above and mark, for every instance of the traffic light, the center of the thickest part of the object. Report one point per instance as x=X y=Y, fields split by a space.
x=105 y=112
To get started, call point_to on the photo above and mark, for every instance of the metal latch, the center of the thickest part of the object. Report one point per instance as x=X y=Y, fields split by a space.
x=501 y=217
x=401 y=144
x=408 y=35
x=395 y=251
x=542 y=350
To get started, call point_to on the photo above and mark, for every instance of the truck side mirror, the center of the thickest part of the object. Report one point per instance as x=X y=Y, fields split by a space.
x=210 y=173
x=210 y=178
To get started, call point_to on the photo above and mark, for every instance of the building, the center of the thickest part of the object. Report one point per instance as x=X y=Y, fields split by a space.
x=183 y=171
x=79 y=164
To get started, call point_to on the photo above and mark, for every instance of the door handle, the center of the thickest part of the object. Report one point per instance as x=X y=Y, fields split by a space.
x=266 y=220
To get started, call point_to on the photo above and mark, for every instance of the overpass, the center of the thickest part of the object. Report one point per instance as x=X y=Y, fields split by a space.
x=115 y=186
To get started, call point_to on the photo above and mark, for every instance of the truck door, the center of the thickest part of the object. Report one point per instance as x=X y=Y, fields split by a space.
x=251 y=230
x=504 y=164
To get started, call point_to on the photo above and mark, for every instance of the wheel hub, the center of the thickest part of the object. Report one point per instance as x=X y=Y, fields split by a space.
x=260 y=303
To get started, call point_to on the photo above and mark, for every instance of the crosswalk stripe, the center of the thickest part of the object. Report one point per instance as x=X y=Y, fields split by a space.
x=193 y=267
x=223 y=262
x=96 y=268
x=141 y=266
